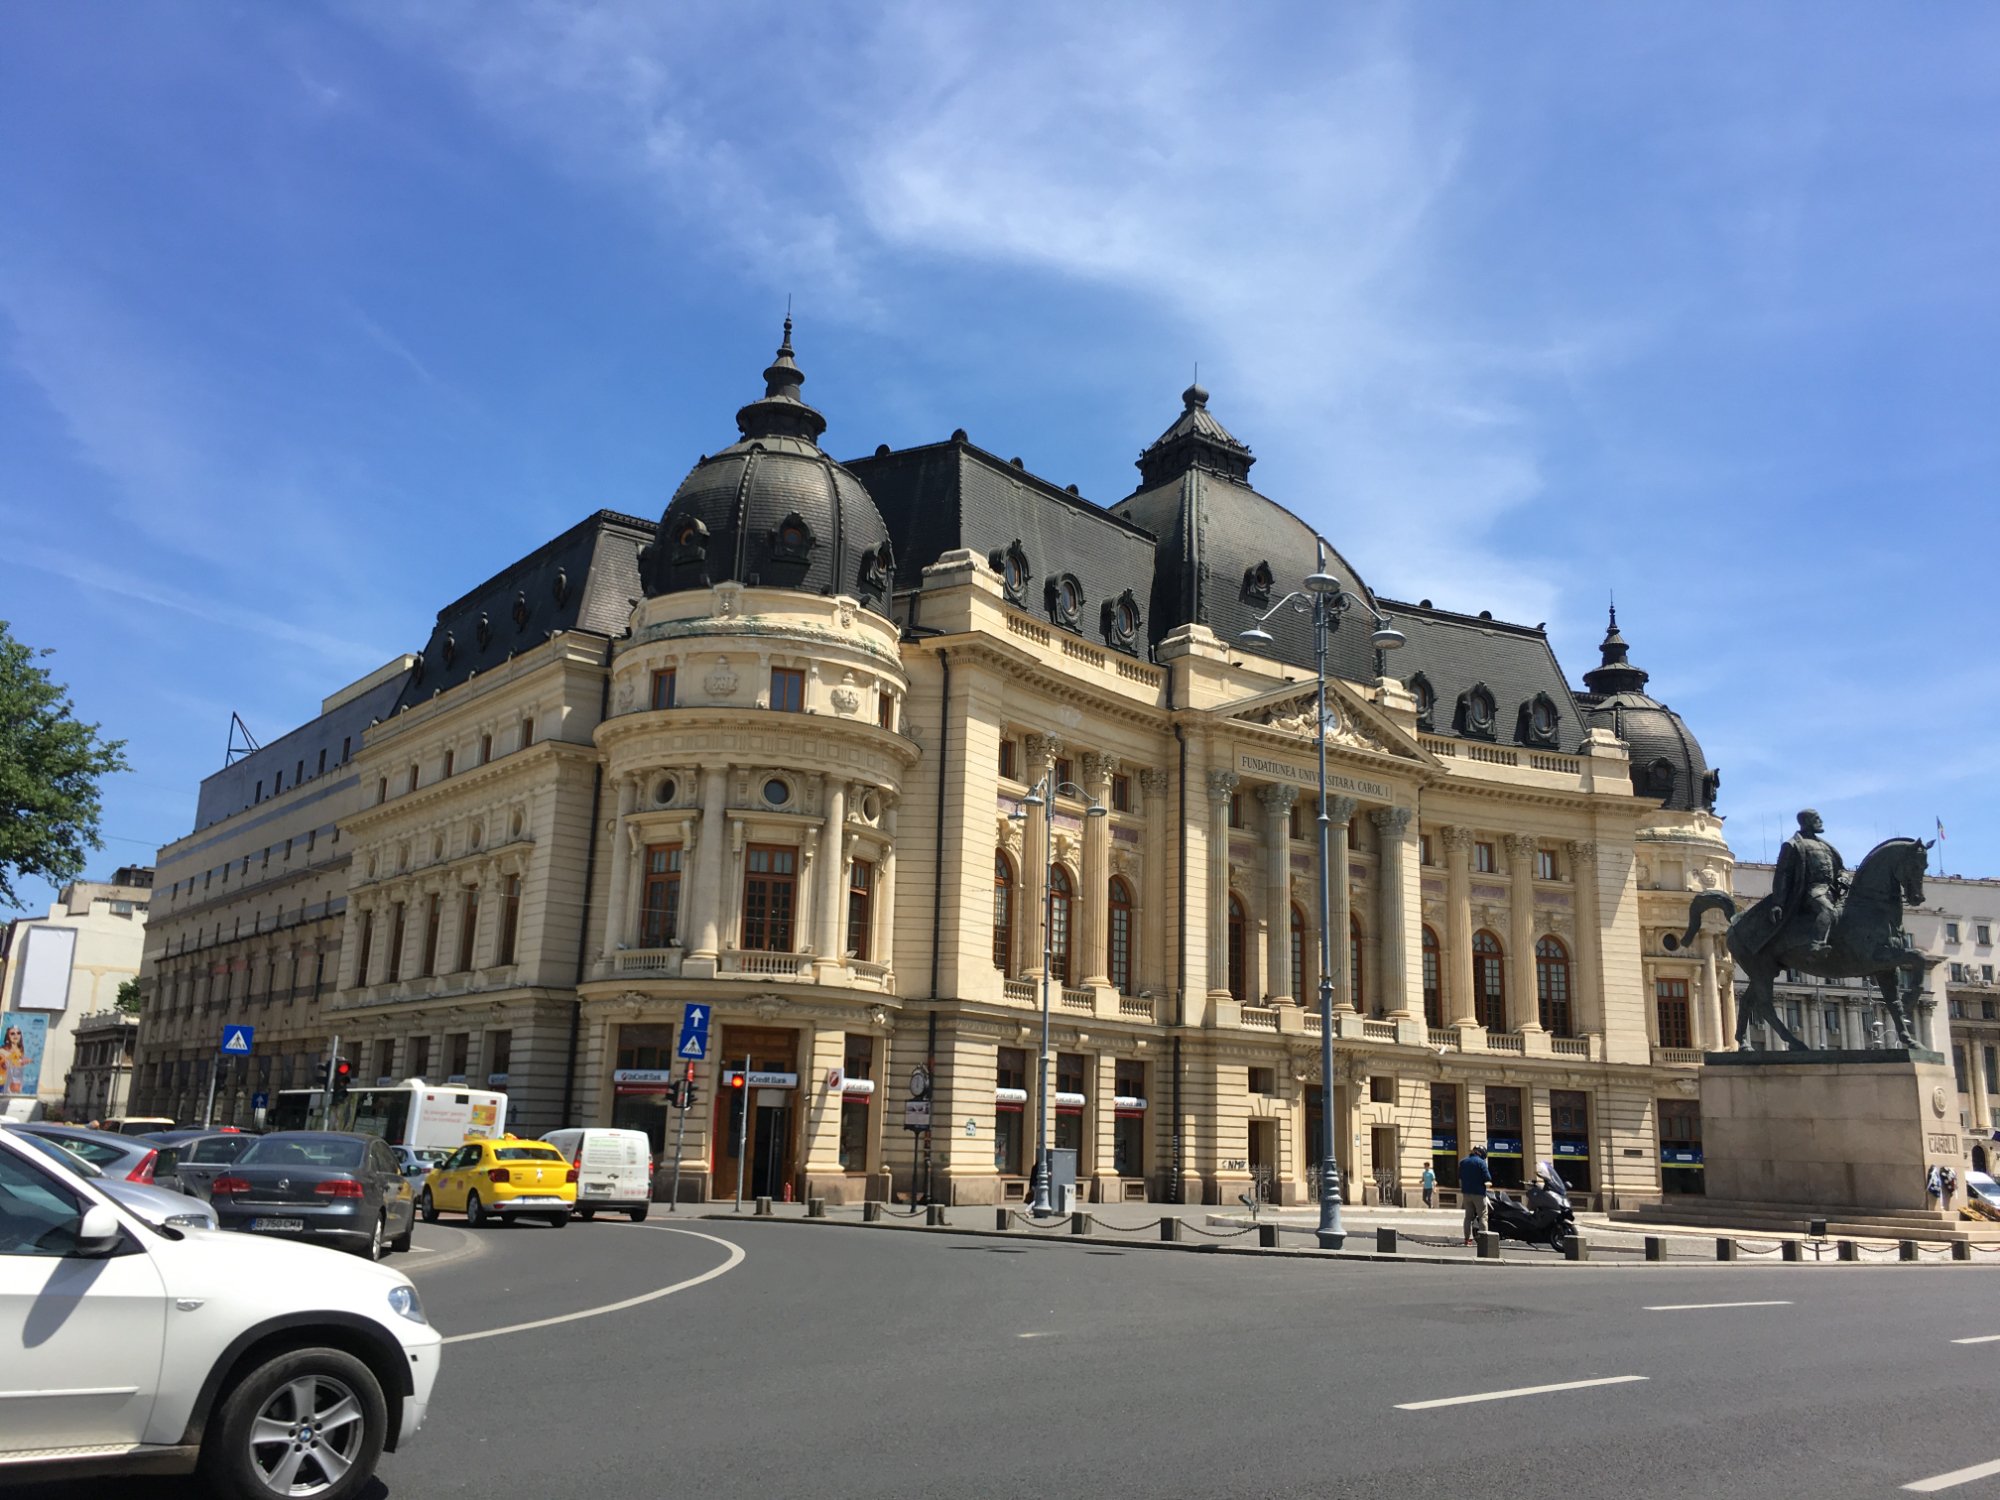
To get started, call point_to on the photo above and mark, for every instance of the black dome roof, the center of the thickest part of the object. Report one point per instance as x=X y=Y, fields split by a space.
x=772 y=509
x=1666 y=757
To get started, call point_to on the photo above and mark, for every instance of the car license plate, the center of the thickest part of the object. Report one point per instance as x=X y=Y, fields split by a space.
x=278 y=1226
x=541 y=1202
x=598 y=1187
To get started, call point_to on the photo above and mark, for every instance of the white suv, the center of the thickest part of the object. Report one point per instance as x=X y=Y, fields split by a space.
x=277 y=1369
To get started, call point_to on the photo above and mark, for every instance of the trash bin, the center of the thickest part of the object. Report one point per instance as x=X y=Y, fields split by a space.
x=1062 y=1180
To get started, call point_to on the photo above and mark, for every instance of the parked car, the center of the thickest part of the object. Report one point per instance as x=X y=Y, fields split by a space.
x=328 y=1186
x=417 y=1161
x=614 y=1169
x=507 y=1178
x=115 y=1155
x=138 y=1124
x=154 y=1204
x=297 y=1373
x=191 y=1159
x=1982 y=1186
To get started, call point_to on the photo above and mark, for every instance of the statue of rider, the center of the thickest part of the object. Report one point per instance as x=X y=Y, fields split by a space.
x=1810 y=877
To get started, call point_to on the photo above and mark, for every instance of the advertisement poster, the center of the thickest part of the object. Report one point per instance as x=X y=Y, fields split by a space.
x=23 y=1036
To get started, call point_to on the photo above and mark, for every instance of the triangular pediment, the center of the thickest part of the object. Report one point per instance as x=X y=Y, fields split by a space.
x=1289 y=710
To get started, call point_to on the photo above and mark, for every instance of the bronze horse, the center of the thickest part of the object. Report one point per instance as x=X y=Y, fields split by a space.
x=1867 y=940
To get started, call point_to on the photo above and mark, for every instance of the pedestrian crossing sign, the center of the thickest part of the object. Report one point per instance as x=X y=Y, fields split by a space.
x=236 y=1040
x=694 y=1033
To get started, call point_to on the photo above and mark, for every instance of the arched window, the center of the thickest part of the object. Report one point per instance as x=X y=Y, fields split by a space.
x=1489 y=982
x=1059 y=899
x=1121 y=935
x=1552 y=985
x=1433 y=989
x=1354 y=975
x=1003 y=914
x=1298 y=954
x=1237 y=949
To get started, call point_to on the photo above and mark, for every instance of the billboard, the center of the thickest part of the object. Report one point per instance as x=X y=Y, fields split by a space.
x=23 y=1039
x=46 y=955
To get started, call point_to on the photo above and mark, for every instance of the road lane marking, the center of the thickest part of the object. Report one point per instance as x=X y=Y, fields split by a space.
x=1984 y=1338
x=1525 y=1390
x=1955 y=1478
x=736 y=1258
x=1700 y=1306
x=1034 y=1335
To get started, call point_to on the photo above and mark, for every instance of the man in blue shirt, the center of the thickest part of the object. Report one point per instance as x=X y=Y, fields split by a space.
x=1474 y=1178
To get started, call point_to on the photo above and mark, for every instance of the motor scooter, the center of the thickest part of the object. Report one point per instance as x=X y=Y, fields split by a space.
x=1545 y=1220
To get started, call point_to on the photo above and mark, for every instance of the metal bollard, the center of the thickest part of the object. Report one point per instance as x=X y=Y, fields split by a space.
x=871 y=1212
x=1489 y=1244
x=1000 y=1217
x=1725 y=1249
x=1385 y=1240
x=1170 y=1231
x=1961 y=1249
x=1082 y=1224
x=1846 y=1250
x=1576 y=1247
x=1267 y=1236
x=815 y=1208
x=1906 y=1249
x=1788 y=1250
x=1656 y=1247
x=763 y=1208
x=934 y=1216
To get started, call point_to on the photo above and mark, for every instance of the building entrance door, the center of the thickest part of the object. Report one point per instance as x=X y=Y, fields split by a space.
x=770 y=1152
x=1382 y=1160
x=1264 y=1158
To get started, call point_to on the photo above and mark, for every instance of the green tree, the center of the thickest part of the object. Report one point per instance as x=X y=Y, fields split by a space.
x=129 y=999
x=50 y=766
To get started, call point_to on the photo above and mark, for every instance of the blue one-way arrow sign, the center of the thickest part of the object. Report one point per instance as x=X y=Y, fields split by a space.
x=694 y=1032
x=236 y=1040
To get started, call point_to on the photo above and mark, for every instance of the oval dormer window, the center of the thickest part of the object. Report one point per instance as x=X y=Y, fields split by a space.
x=1069 y=599
x=1479 y=711
x=1015 y=574
x=1542 y=715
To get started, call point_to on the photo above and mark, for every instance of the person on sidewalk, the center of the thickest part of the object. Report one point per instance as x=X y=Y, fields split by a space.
x=1430 y=1186
x=1474 y=1178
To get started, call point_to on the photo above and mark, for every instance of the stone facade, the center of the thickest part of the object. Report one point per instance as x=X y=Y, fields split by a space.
x=106 y=924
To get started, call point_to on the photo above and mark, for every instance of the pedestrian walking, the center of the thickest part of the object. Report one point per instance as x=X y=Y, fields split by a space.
x=1474 y=1178
x=1430 y=1185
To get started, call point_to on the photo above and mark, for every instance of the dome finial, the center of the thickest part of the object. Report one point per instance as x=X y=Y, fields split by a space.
x=1615 y=672
x=782 y=412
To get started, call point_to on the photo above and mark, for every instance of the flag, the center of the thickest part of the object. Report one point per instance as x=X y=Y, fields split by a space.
x=1940 y=826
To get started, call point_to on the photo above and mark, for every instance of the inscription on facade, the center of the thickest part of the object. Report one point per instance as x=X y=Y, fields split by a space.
x=1308 y=776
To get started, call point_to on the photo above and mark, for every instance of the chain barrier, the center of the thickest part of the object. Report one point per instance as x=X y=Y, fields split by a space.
x=1933 y=1252
x=1978 y=1249
x=1225 y=1234
x=1875 y=1252
x=1152 y=1227
x=1039 y=1225
x=906 y=1213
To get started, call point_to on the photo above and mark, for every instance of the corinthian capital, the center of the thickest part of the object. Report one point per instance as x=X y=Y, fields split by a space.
x=1097 y=768
x=1153 y=783
x=1222 y=785
x=1392 y=820
x=1520 y=846
x=1043 y=749
x=1582 y=854
x=1341 y=809
x=1277 y=796
x=1456 y=839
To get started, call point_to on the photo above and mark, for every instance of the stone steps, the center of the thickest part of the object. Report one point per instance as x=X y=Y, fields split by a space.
x=1927 y=1225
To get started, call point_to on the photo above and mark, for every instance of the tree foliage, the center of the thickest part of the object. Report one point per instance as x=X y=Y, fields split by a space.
x=50 y=767
x=129 y=998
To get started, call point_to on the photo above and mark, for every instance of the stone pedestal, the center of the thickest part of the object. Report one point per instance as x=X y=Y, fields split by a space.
x=1841 y=1131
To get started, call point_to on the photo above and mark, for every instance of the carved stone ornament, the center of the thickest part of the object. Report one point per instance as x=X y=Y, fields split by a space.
x=1392 y=820
x=1010 y=834
x=843 y=612
x=721 y=680
x=1153 y=783
x=1278 y=796
x=1222 y=785
x=845 y=699
x=627 y=696
x=1457 y=838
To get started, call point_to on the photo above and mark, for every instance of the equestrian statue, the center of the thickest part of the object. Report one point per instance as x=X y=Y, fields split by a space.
x=1818 y=921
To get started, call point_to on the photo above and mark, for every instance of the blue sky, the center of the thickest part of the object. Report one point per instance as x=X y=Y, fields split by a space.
x=312 y=317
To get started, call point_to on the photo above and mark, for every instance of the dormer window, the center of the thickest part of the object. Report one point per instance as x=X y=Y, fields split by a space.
x=1012 y=566
x=1065 y=600
x=1476 y=712
x=1426 y=696
x=1257 y=582
x=1539 y=719
x=1121 y=621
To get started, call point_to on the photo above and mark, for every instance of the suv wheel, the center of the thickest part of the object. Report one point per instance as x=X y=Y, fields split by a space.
x=307 y=1422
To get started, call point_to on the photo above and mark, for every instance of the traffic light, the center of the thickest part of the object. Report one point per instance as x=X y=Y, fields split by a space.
x=690 y=1095
x=342 y=1071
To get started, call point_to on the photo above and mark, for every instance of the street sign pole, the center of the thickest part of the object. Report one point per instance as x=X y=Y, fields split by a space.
x=325 y=1084
x=208 y=1110
x=742 y=1135
x=680 y=1141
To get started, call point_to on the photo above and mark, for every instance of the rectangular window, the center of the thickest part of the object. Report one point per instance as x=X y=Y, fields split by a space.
x=1010 y=1072
x=1068 y=1122
x=1007 y=759
x=770 y=890
x=1381 y=1090
x=510 y=917
x=1426 y=851
x=458 y=1053
x=259 y=796
x=450 y=761
x=1831 y=1017
x=1951 y=932
x=1121 y=794
x=382 y=790
x=278 y=785
x=1482 y=858
x=1128 y=1141
x=1983 y=933
x=346 y=747
x=499 y=1056
x=885 y=709
x=663 y=687
x=660 y=897
x=788 y=690
x=413 y=776
x=1295 y=824
x=1545 y=865
x=1569 y=1135
x=420 y=1056
x=1958 y=1069
x=860 y=907
x=1670 y=998
x=1991 y=1066
x=1263 y=1081
x=1444 y=1133
x=527 y=731
x=433 y=921
x=1505 y=1144
x=485 y=748
x=1235 y=809
x=322 y=762
x=395 y=967
x=468 y=927
x=1064 y=770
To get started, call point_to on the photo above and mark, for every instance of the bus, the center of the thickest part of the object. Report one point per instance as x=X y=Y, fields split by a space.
x=422 y=1116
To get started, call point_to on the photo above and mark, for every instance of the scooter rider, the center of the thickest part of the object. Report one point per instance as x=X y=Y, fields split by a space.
x=1474 y=1178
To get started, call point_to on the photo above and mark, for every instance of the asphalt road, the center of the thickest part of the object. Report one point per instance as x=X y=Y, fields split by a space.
x=852 y=1362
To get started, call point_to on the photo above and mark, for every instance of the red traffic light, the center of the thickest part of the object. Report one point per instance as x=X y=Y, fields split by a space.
x=736 y=1080
x=342 y=1068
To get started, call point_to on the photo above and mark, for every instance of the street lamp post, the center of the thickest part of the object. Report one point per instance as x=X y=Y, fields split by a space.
x=1322 y=594
x=1043 y=795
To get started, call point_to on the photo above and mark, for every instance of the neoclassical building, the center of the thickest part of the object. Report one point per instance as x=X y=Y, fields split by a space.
x=774 y=756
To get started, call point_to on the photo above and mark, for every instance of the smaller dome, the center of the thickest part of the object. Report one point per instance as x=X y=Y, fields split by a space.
x=773 y=510
x=1667 y=760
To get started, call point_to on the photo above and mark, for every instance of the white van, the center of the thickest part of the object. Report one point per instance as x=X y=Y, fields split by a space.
x=614 y=1169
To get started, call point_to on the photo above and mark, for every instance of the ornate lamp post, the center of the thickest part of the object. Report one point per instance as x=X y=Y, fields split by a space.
x=1043 y=795
x=1322 y=596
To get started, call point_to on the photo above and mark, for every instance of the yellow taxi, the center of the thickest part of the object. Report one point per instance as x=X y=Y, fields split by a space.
x=501 y=1178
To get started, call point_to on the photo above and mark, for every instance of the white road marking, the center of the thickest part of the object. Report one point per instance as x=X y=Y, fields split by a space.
x=1984 y=1338
x=736 y=1258
x=1955 y=1478
x=1525 y=1390
x=1034 y=1335
x=1700 y=1306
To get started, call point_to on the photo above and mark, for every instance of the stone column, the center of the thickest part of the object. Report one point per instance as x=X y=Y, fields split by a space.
x=1710 y=1037
x=1338 y=811
x=1524 y=1005
x=705 y=909
x=1221 y=786
x=1586 y=978
x=1150 y=958
x=1096 y=955
x=1036 y=854
x=1278 y=799
x=1458 y=923
x=883 y=947
x=1391 y=918
x=1725 y=1040
x=623 y=852
x=832 y=924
